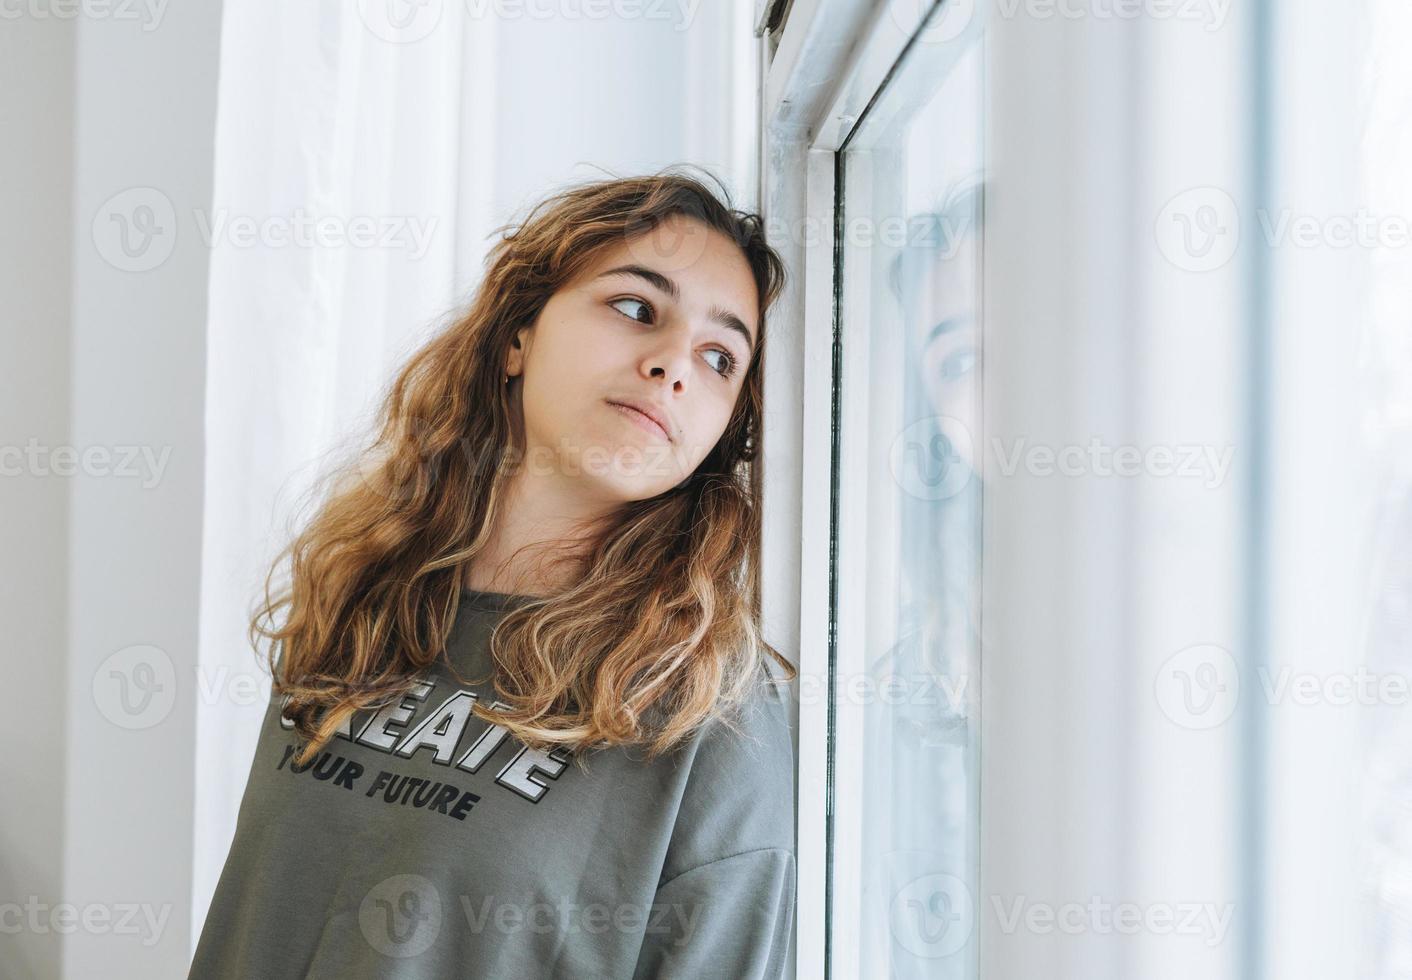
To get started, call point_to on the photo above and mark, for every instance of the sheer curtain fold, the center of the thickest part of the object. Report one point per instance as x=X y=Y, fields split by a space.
x=337 y=163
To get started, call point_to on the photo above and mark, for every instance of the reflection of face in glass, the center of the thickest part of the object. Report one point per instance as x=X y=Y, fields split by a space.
x=944 y=317
x=936 y=280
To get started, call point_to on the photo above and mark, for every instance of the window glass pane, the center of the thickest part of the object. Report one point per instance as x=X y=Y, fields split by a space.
x=911 y=196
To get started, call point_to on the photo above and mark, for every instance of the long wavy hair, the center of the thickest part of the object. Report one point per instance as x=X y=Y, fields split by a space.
x=660 y=632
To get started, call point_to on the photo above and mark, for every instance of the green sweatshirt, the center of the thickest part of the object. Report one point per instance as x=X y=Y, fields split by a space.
x=423 y=843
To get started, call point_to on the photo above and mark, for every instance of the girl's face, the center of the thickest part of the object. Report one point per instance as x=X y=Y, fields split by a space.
x=951 y=344
x=665 y=321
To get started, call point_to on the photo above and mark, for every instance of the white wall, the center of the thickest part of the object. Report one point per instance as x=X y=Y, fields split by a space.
x=36 y=96
x=143 y=118
x=101 y=552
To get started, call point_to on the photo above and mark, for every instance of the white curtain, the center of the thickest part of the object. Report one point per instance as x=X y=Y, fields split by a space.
x=1171 y=267
x=334 y=244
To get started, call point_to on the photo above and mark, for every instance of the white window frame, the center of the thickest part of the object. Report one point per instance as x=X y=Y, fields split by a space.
x=814 y=87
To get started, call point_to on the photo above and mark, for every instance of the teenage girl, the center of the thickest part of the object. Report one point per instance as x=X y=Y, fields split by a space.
x=524 y=722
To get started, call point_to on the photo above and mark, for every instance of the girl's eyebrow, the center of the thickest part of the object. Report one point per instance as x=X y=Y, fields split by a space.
x=668 y=285
x=947 y=325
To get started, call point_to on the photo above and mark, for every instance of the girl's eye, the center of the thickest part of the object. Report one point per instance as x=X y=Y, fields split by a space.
x=728 y=363
x=957 y=364
x=727 y=367
x=632 y=299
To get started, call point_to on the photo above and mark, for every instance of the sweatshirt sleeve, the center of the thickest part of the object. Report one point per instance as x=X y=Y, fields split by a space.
x=729 y=919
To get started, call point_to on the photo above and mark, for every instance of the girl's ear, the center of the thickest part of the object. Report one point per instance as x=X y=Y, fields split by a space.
x=514 y=361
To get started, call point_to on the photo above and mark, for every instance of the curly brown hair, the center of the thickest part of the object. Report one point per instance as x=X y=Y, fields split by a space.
x=661 y=631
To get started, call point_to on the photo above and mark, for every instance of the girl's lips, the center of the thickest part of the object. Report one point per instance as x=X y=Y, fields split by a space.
x=640 y=420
